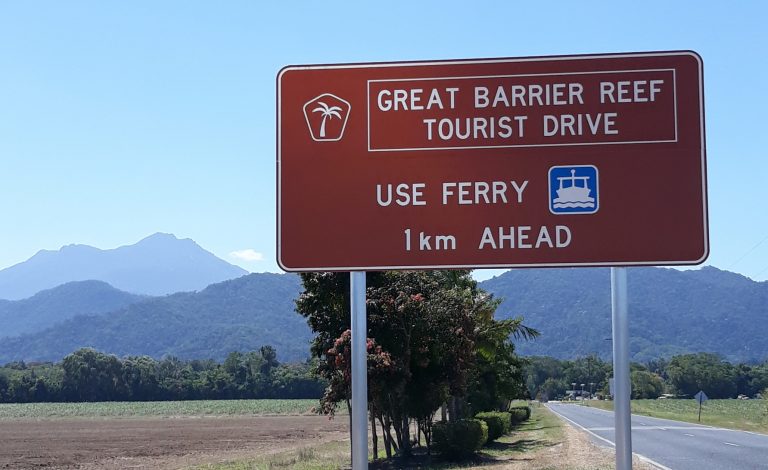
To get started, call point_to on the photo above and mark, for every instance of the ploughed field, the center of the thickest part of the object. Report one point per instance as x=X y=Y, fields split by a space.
x=157 y=435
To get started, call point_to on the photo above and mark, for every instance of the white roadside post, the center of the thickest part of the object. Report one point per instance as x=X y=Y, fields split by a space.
x=622 y=413
x=359 y=372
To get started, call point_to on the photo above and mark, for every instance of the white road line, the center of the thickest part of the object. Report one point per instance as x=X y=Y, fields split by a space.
x=582 y=427
x=641 y=457
x=655 y=428
x=703 y=427
x=689 y=435
x=731 y=444
x=651 y=462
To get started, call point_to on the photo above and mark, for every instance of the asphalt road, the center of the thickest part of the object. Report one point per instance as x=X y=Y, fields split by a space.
x=675 y=445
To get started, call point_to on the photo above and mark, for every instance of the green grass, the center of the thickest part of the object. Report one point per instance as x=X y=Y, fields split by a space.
x=747 y=415
x=543 y=429
x=157 y=408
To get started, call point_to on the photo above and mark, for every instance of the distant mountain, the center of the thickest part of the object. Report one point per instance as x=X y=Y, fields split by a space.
x=241 y=314
x=670 y=311
x=157 y=265
x=55 y=305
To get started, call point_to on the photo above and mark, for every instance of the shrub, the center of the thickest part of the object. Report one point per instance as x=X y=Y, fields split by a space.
x=499 y=423
x=520 y=414
x=459 y=439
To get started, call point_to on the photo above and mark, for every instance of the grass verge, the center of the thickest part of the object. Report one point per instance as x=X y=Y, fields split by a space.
x=542 y=430
x=521 y=447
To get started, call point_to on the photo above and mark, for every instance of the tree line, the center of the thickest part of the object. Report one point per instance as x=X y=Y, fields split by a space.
x=89 y=375
x=682 y=375
x=433 y=343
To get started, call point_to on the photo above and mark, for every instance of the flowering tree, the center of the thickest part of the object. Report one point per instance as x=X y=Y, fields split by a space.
x=424 y=329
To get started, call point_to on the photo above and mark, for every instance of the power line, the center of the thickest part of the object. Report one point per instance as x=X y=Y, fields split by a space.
x=749 y=252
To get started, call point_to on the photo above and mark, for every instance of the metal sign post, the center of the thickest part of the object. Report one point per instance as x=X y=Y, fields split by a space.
x=700 y=398
x=621 y=408
x=359 y=372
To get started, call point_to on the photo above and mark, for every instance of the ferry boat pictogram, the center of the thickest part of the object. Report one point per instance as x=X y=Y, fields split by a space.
x=573 y=195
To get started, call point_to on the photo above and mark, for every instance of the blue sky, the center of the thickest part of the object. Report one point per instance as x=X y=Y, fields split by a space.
x=121 y=119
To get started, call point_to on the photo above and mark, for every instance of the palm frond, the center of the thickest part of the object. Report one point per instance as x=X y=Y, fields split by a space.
x=323 y=108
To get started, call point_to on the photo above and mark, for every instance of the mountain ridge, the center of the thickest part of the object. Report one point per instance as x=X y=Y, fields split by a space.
x=51 y=306
x=670 y=311
x=159 y=264
x=235 y=315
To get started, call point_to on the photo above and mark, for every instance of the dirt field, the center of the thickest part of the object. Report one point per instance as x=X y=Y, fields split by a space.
x=183 y=442
x=156 y=443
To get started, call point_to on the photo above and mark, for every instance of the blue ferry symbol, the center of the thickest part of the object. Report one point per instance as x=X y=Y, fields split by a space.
x=573 y=189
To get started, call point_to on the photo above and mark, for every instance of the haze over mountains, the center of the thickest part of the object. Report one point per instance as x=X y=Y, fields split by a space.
x=157 y=265
x=671 y=311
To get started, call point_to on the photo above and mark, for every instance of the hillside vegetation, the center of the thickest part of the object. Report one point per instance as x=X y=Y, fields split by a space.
x=239 y=315
x=55 y=305
x=670 y=312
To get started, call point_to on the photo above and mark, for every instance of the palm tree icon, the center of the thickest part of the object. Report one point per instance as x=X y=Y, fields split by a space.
x=328 y=112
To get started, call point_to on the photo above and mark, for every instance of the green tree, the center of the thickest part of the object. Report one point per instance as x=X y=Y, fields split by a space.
x=424 y=333
x=4 y=384
x=540 y=369
x=296 y=381
x=552 y=389
x=690 y=373
x=140 y=377
x=498 y=376
x=238 y=383
x=646 y=384
x=751 y=379
x=269 y=356
x=758 y=380
x=93 y=376
x=419 y=348
x=658 y=367
x=587 y=370
x=22 y=387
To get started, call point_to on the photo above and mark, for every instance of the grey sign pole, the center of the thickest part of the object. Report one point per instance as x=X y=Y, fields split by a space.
x=359 y=372
x=622 y=413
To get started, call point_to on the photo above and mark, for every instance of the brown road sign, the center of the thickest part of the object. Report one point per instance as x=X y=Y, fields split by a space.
x=546 y=161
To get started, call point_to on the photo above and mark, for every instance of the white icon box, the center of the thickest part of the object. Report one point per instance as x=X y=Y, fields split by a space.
x=326 y=117
x=574 y=189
